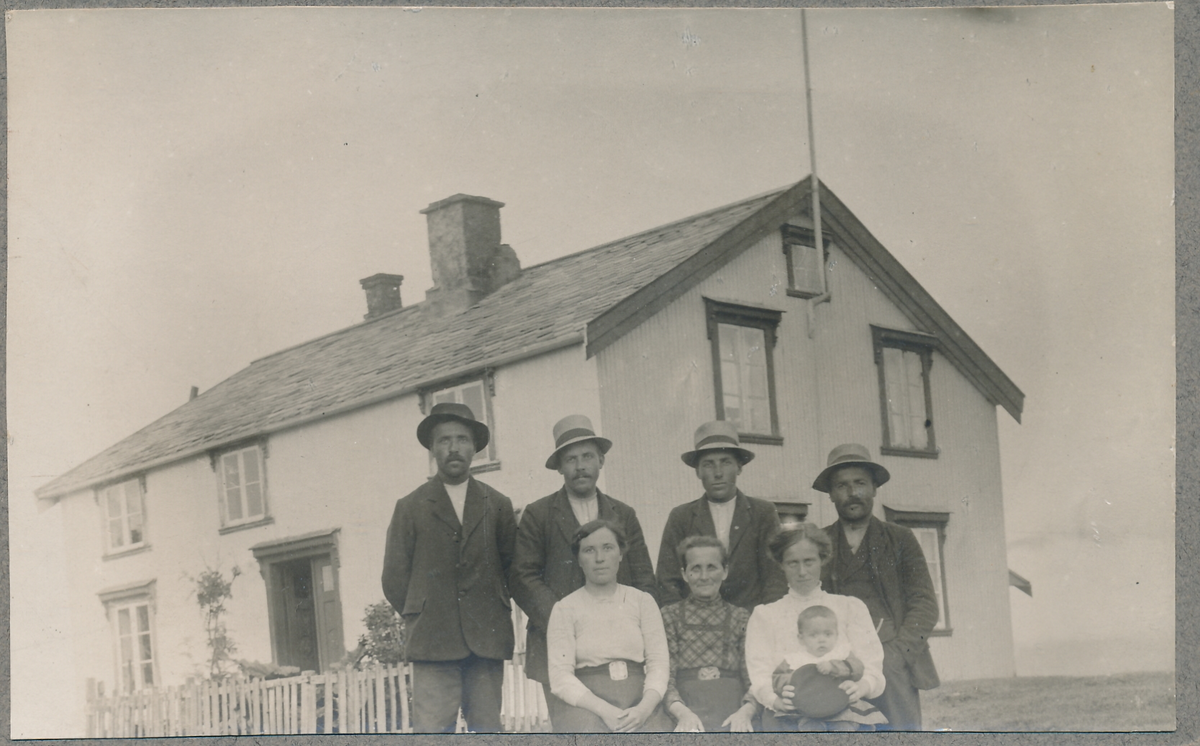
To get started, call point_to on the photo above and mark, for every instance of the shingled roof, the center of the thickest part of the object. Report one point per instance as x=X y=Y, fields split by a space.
x=547 y=307
x=595 y=296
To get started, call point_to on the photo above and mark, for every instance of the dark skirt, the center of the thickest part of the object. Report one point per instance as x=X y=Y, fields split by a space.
x=622 y=694
x=713 y=700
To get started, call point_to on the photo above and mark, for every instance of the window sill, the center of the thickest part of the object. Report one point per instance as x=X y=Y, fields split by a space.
x=126 y=552
x=762 y=440
x=794 y=293
x=941 y=632
x=484 y=468
x=265 y=521
x=910 y=452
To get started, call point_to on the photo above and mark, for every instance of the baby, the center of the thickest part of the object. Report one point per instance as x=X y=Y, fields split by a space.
x=823 y=661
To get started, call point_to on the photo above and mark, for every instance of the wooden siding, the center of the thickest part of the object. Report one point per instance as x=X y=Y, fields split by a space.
x=657 y=387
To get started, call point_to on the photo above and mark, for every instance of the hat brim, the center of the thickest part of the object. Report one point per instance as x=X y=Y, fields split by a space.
x=821 y=483
x=692 y=457
x=479 y=431
x=603 y=443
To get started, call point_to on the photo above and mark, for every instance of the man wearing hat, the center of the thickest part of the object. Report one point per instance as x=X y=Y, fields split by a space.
x=882 y=564
x=449 y=548
x=743 y=524
x=545 y=569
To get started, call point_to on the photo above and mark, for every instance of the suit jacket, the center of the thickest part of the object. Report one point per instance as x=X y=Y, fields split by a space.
x=754 y=577
x=448 y=579
x=902 y=580
x=545 y=570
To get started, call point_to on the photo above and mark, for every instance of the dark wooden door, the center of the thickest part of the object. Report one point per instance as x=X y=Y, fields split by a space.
x=296 y=635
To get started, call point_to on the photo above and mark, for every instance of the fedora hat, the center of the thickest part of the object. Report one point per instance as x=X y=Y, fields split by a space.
x=572 y=429
x=448 y=412
x=850 y=454
x=718 y=435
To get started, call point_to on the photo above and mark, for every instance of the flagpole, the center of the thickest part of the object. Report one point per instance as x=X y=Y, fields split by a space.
x=816 y=190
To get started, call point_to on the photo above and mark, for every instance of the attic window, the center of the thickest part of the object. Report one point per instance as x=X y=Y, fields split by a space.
x=477 y=394
x=805 y=265
x=743 y=353
x=243 y=487
x=904 y=360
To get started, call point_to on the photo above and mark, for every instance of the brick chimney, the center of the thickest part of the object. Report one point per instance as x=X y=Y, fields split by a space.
x=383 y=293
x=465 y=250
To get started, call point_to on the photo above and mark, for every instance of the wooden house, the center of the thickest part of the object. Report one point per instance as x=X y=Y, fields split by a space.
x=290 y=468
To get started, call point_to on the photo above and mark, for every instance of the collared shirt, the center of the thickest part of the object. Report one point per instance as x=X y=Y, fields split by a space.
x=585 y=509
x=458 y=496
x=722 y=517
x=705 y=632
x=586 y=630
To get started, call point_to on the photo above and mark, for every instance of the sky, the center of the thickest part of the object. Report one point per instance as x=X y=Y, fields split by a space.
x=192 y=189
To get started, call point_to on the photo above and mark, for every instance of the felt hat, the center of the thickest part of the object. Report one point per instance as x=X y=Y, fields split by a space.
x=572 y=429
x=818 y=695
x=850 y=454
x=452 y=412
x=718 y=435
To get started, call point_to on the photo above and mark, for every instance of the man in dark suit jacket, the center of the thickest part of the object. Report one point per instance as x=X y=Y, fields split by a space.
x=744 y=524
x=449 y=549
x=882 y=564
x=545 y=569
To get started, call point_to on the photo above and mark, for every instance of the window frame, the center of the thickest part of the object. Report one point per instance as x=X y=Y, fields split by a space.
x=793 y=236
x=937 y=521
x=131 y=597
x=923 y=345
x=101 y=496
x=217 y=461
x=486 y=379
x=717 y=312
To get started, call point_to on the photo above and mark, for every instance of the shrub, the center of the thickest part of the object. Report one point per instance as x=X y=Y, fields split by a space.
x=384 y=639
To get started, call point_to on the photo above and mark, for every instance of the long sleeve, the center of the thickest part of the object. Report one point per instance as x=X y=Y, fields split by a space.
x=560 y=645
x=670 y=576
x=761 y=655
x=774 y=583
x=637 y=557
x=920 y=601
x=527 y=582
x=397 y=557
x=671 y=618
x=654 y=637
x=781 y=677
x=864 y=644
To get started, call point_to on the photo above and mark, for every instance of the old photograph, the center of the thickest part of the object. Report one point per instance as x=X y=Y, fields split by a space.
x=564 y=370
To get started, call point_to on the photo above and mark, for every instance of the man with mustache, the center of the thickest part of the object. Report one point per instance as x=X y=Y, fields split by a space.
x=545 y=569
x=882 y=564
x=449 y=549
x=744 y=525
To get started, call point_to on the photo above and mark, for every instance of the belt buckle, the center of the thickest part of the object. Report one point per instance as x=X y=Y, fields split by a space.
x=708 y=673
x=618 y=671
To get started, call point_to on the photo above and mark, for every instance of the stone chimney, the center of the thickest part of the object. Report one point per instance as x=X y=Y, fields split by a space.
x=468 y=259
x=383 y=293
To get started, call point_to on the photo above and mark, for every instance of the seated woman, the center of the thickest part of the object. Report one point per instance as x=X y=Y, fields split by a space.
x=772 y=638
x=606 y=645
x=706 y=636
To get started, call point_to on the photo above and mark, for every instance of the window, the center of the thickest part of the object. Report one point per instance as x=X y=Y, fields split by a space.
x=124 y=516
x=743 y=344
x=130 y=611
x=930 y=530
x=791 y=514
x=477 y=395
x=805 y=265
x=243 y=486
x=904 y=360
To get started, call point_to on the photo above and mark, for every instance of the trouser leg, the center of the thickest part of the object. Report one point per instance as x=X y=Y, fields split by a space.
x=483 y=694
x=901 y=701
x=437 y=695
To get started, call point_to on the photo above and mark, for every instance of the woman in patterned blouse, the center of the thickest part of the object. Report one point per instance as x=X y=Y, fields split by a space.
x=706 y=636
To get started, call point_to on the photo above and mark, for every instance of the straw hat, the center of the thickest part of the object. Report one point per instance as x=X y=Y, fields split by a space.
x=572 y=429
x=718 y=435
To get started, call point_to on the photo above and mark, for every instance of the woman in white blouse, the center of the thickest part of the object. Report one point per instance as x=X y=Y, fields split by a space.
x=606 y=644
x=771 y=632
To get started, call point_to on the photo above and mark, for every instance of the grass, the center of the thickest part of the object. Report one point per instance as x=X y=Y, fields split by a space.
x=1124 y=702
